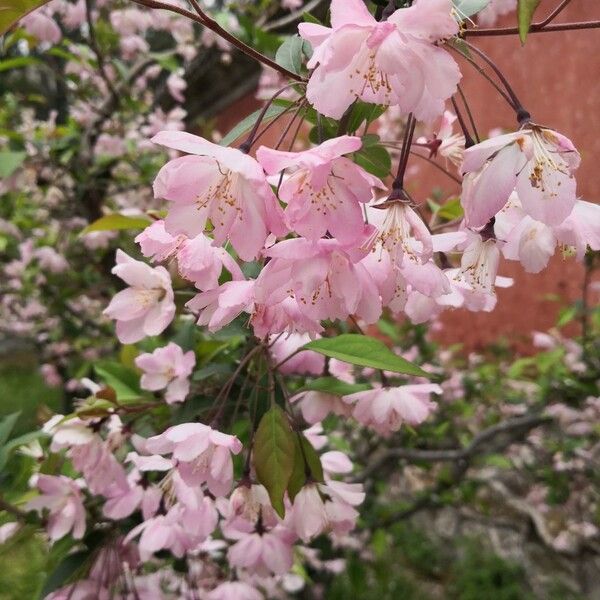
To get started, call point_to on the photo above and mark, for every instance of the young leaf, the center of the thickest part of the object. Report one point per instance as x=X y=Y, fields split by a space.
x=525 y=11
x=7 y=424
x=364 y=351
x=246 y=124
x=13 y=10
x=332 y=385
x=122 y=379
x=115 y=222
x=274 y=449
x=375 y=159
x=289 y=54
x=306 y=460
x=66 y=571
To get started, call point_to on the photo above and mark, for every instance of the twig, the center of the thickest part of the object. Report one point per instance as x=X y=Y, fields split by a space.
x=97 y=51
x=203 y=19
x=293 y=16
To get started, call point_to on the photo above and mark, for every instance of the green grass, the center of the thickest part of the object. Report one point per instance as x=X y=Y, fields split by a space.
x=22 y=388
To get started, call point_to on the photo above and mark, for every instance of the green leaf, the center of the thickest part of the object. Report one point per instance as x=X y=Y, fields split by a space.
x=309 y=18
x=10 y=162
x=15 y=443
x=566 y=315
x=246 y=124
x=289 y=55
x=274 y=449
x=364 y=351
x=66 y=571
x=525 y=12
x=467 y=8
x=18 y=62
x=122 y=379
x=12 y=10
x=306 y=461
x=375 y=159
x=364 y=112
x=7 y=424
x=332 y=385
x=451 y=210
x=116 y=222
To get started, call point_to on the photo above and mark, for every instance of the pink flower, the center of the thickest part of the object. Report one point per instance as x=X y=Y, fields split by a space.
x=536 y=162
x=121 y=502
x=325 y=190
x=167 y=367
x=315 y=406
x=318 y=507
x=50 y=260
x=401 y=232
x=306 y=362
x=385 y=409
x=41 y=26
x=219 y=306
x=203 y=454
x=395 y=62
x=179 y=531
x=234 y=590
x=60 y=495
x=264 y=554
x=201 y=262
x=479 y=264
x=157 y=244
x=147 y=306
x=533 y=243
x=324 y=278
x=221 y=184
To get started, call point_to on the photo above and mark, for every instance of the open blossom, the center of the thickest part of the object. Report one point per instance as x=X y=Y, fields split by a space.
x=157 y=243
x=323 y=277
x=180 y=530
x=146 y=307
x=201 y=262
x=218 y=307
x=325 y=190
x=536 y=162
x=61 y=496
x=385 y=409
x=393 y=62
x=532 y=242
x=168 y=367
x=479 y=263
x=400 y=231
x=315 y=406
x=221 y=184
x=203 y=454
x=262 y=553
x=328 y=506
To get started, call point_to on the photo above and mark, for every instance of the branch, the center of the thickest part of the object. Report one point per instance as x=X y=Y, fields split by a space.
x=541 y=27
x=513 y=427
x=203 y=19
x=461 y=458
x=96 y=49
